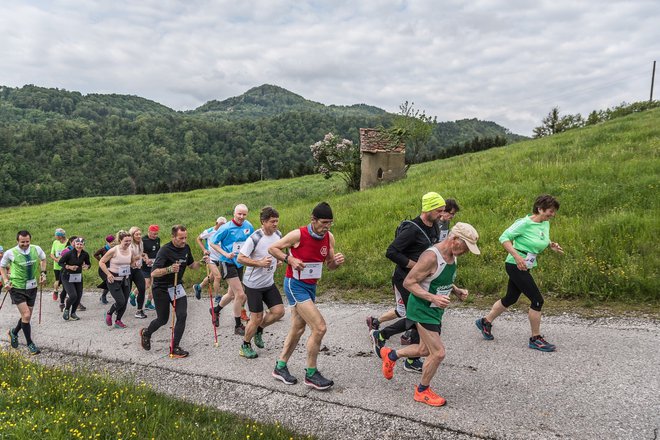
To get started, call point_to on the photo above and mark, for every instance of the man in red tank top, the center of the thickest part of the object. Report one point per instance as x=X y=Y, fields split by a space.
x=309 y=246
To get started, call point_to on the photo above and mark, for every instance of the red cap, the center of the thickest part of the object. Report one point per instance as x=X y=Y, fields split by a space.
x=154 y=228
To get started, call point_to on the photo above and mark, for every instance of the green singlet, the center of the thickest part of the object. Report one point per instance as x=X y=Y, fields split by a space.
x=440 y=283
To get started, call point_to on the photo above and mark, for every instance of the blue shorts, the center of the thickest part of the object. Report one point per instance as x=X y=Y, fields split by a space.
x=297 y=291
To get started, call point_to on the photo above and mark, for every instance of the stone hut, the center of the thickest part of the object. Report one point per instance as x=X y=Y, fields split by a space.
x=381 y=161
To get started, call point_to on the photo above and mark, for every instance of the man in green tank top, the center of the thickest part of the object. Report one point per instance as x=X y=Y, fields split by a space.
x=430 y=282
x=27 y=267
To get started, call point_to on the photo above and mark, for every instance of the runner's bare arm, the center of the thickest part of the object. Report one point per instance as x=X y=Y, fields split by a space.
x=290 y=240
x=423 y=269
x=332 y=260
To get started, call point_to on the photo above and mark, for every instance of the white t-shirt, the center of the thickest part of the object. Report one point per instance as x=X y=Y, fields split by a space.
x=209 y=235
x=256 y=248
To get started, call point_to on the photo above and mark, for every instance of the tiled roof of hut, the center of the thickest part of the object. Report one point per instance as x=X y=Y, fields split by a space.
x=374 y=141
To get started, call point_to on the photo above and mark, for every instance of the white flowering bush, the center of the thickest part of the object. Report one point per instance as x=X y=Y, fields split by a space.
x=336 y=155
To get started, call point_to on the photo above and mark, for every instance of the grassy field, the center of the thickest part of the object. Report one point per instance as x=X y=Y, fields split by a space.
x=41 y=402
x=605 y=176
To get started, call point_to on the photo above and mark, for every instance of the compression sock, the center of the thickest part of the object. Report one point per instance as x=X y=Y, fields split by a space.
x=310 y=372
x=27 y=331
x=18 y=327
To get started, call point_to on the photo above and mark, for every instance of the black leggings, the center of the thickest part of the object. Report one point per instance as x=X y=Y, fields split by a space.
x=137 y=277
x=74 y=292
x=162 y=299
x=400 y=325
x=521 y=281
x=119 y=291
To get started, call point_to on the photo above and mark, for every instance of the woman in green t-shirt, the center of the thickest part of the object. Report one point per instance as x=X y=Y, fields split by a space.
x=524 y=240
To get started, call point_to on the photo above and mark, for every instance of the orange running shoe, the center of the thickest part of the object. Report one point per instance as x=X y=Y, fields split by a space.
x=388 y=364
x=429 y=397
x=244 y=316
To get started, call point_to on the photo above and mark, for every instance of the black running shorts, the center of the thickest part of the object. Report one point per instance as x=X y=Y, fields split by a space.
x=257 y=297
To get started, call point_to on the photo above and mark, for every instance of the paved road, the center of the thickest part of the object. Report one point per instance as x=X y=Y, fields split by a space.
x=603 y=382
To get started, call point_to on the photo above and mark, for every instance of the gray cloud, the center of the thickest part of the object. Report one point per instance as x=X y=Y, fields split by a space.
x=507 y=61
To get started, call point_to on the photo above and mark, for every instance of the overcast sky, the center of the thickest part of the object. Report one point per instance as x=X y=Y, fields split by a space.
x=508 y=61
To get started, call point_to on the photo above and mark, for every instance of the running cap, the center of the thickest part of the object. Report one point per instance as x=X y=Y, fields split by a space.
x=109 y=238
x=59 y=232
x=431 y=201
x=468 y=234
x=154 y=228
x=322 y=211
x=221 y=220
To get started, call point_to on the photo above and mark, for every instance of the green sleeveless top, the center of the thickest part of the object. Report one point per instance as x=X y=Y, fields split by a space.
x=24 y=267
x=440 y=283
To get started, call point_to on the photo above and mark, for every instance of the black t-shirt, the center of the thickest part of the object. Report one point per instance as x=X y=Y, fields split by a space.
x=413 y=238
x=168 y=255
x=71 y=258
x=151 y=248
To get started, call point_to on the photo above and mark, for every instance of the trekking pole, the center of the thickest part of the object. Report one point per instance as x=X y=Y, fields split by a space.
x=3 y=299
x=41 y=292
x=176 y=277
x=215 y=330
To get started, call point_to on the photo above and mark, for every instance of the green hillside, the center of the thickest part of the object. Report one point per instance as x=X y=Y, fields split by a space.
x=605 y=176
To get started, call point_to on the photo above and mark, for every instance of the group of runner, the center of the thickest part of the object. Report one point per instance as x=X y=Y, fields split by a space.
x=424 y=251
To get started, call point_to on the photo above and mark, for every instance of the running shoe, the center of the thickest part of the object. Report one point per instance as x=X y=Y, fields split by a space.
x=65 y=315
x=215 y=316
x=145 y=340
x=429 y=397
x=388 y=364
x=317 y=381
x=33 y=349
x=178 y=353
x=131 y=299
x=81 y=307
x=377 y=343
x=247 y=352
x=198 y=291
x=140 y=314
x=240 y=330
x=485 y=328
x=119 y=324
x=74 y=317
x=413 y=365
x=55 y=295
x=217 y=299
x=259 y=340
x=104 y=299
x=149 y=305
x=244 y=316
x=284 y=375
x=13 y=338
x=538 y=343
x=61 y=307
x=406 y=338
x=373 y=323
x=108 y=320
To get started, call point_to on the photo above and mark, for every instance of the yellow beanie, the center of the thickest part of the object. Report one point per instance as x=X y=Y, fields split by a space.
x=431 y=201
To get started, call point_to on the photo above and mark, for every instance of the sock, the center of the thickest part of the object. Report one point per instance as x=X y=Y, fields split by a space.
x=238 y=321
x=27 y=330
x=217 y=309
x=310 y=371
x=247 y=344
x=18 y=327
x=421 y=388
x=409 y=361
x=280 y=365
x=260 y=330
x=392 y=355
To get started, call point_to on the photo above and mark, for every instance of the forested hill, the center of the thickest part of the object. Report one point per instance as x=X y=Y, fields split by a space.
x=57 y=144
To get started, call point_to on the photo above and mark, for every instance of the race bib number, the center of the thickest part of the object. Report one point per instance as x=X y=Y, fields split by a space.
x=58 y=254
x=273 y=265
x=312 y=271
x=179 y=292
x=236 y=247
x=443 y=235
x=31 y=284
x=443 y=291
x=124 y=271
x=75 y=278
x=530 y=259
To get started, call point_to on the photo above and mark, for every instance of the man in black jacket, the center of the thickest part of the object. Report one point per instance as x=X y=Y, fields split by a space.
x=412 y=238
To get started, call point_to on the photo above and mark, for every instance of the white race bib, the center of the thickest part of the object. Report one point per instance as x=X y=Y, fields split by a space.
x=443 y=234
x=273 y=265
x=442 y=292
x=312 y=271
x=236 y=247
x=58 y=253
x=124 y=271
x=75 y=277
x=529 y=260
x=31 y=284
x=180 y=292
